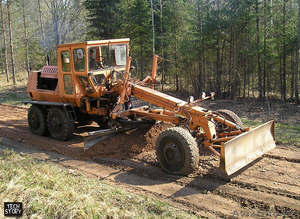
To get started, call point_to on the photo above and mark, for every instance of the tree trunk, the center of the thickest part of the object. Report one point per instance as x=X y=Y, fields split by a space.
x=26 y=40
x=142 y=59
x=292 y=76
x=153 y=30
x=218 y=72
x=176 y=66
x=258 y=52
x=265 y=42
x=175 y=59
x=284 y=53
x=42 y=31
x=4 y=42
x=11 y=45
x=162 y=46
x=297 y=58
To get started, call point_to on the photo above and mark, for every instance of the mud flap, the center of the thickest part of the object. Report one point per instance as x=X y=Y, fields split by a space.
x=245 y=148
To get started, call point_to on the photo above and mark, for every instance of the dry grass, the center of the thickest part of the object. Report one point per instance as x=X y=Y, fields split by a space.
x=13 y=94
x=50 y=191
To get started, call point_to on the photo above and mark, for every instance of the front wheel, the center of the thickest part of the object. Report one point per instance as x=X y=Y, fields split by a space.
x=177 y=151
x=59 y=126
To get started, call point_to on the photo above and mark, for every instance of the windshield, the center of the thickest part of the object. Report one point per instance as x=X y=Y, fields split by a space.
x=106 y=56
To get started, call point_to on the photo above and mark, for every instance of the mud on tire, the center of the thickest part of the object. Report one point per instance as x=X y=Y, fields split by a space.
x=37 y=120
x=177 y=151
x=59 y=126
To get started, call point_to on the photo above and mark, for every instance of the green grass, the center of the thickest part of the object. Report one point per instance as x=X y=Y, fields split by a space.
x=251 y=123
x=50 y=191
x=13 y=94
x=287 y=134
x=284 y=134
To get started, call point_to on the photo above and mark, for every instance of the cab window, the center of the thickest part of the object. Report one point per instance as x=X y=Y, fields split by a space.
x=79 y=59
x=100 y=79
x=65 y=61
x=85 y=84
x=68 y=82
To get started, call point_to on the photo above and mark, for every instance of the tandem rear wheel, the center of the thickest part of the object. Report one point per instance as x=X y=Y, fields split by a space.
x=54 y=121
x=59 y=126
x=37 y=120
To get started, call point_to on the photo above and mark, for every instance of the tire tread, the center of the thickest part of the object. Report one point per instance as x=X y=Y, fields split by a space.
x=192 y=156
x=68 y=126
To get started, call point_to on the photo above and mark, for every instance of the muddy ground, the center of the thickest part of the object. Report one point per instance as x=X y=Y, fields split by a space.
x=269 y=187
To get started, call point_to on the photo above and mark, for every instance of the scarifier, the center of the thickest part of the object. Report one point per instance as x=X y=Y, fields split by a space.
x=92 y=82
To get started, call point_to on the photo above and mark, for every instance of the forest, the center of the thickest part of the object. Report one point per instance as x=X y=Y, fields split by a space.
x=236 y=48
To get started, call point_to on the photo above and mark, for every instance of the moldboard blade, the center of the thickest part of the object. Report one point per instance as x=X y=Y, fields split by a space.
x=245 y=148
x=101 y=135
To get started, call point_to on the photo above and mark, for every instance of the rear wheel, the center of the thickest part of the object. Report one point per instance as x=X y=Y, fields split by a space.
x=59 y=126
x=37 y=120
x=177 y=151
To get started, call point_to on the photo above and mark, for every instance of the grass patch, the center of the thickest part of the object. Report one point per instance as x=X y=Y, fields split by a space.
x=50 y=191
x=251 y=123
x=287 y=134
x=284 y=134
x=14 y=94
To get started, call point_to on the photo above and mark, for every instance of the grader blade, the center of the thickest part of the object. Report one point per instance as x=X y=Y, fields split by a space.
x=245 y=148
x=101 y=135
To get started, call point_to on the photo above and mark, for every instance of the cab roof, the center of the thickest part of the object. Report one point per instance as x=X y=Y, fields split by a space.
x=96 y=42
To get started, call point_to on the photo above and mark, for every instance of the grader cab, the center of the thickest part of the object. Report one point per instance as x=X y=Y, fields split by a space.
x=92 y=82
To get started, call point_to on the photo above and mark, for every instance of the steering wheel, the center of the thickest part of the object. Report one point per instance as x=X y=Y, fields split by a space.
x=101 y=62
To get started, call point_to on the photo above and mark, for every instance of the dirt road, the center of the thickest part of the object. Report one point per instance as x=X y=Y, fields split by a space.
x=268 y=188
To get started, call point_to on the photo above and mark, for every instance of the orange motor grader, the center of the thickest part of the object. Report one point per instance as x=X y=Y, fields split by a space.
x=92 y=82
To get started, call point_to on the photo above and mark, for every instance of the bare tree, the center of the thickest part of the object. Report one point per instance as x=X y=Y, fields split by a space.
x=11 y=45
x=42 y=30
x=26 y=39
x=297 y=59
x=258 y=51
x=283 y=95
x=162 y=44
x=4 y=40
x=153 y=29
x=67 y=19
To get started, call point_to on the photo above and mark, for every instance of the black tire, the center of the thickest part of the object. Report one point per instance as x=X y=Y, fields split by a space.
x=231 y=116
x=59 y=126
x=177 y=151
x=37 y=120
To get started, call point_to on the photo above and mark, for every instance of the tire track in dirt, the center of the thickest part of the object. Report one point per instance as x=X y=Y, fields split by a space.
x=272 y=182
x=250 y=196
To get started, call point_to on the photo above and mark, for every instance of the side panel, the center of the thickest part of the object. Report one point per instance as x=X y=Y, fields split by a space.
x=41 y=94
x=32 y=83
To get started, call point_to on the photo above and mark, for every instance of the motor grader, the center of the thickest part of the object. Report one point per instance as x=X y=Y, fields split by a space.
x=92 y=82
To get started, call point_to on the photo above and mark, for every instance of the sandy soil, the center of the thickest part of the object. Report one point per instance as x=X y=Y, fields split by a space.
x=268 y=187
